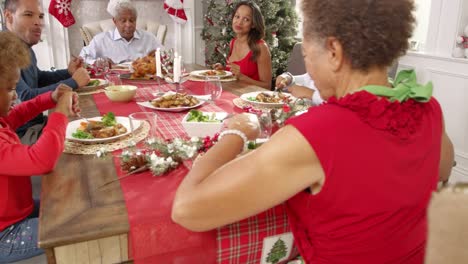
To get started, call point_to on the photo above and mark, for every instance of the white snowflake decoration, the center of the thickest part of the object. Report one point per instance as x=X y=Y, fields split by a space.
x=63 y=6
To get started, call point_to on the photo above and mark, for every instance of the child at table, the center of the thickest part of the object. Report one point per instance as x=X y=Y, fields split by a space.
x=18 y=212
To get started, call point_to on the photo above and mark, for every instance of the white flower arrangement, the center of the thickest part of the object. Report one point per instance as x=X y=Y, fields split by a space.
x=160 y=165
x=162 y=156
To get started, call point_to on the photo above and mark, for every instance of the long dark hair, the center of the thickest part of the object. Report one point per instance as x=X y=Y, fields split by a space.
x=258 y=31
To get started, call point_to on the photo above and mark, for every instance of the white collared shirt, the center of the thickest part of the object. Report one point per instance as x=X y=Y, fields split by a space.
x=306 y=81
x=111 y=45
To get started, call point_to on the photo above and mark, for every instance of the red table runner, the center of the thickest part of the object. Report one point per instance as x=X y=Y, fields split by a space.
x=154 y=238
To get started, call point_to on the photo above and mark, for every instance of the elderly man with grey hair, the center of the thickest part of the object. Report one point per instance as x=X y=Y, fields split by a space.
x=125 y=42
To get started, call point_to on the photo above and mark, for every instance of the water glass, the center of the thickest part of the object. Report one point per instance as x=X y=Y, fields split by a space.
x=113 y=78
x=101 y=66
x=266 y=124
x=213 y=87
x=138 y=119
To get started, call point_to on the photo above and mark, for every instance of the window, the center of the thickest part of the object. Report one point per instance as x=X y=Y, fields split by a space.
x=422 y=12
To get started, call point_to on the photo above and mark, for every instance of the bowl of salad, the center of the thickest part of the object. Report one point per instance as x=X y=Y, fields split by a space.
x=201 y=124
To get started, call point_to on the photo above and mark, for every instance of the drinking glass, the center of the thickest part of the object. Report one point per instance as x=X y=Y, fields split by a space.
x=113 y=78
x=101 y=66
x=138 y=119
x=266 y=124
x=213 y=87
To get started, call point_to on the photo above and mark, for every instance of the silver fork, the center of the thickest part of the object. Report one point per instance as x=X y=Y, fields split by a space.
x=82 y=117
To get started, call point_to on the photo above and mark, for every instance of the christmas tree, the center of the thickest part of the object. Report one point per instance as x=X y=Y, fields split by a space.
x=280 y=24
x=277 y=252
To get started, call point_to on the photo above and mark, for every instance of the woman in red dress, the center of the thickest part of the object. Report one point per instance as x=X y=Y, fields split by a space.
x=249 y=58
x=356 y=172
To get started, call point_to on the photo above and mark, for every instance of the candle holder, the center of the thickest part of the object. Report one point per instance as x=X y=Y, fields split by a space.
x=179 y=88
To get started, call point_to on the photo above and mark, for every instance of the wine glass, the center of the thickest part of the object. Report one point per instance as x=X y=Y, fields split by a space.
x=213 y=87
x=266 y=124
x=139 y=120
x=113 y=78
x=101 y=65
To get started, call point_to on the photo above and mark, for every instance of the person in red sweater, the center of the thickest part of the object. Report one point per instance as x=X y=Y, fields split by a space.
x=18 y=214
x=357 y=172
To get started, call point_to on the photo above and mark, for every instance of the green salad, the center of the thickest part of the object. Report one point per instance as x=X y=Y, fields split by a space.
x=198 y=116
x=82 y=135
x=93 y=83
x=84 y=131
x=109 y=119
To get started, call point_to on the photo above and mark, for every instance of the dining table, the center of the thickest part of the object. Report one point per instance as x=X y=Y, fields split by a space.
x=90 y=213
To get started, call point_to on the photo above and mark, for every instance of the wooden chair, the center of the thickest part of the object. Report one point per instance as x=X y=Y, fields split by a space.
x=89 y=30
x=448 y=226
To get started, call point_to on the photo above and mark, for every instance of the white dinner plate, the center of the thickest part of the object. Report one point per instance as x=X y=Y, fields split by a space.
x=183 y=78
x=88 y=88
x=202 y=74
x=172 y=109
x=245 y=97
x=123 y=65
x=72 y=126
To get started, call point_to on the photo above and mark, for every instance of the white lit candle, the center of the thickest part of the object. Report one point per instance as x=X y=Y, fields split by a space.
x=176 y=69
x=180 y=66
x=158 y=63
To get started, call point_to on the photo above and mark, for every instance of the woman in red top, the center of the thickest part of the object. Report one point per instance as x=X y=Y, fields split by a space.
x=357 y=172
x=18 y=215
x=249 y=57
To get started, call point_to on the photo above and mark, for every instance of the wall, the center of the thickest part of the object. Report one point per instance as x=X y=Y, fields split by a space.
x=449 y=75
x=86 y=11
x=463 y=18
x=423 y=8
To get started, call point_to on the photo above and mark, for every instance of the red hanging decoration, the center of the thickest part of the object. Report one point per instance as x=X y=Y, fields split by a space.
x=175 y=9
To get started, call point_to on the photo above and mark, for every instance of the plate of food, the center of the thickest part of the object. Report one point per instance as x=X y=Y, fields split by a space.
x=169 y=78
x=204 y=73
x=100 y=129
x=173 y=102
x=131 y=76
x=123 y=65
x=122 y=68
x=267 y=98
x=92 y=85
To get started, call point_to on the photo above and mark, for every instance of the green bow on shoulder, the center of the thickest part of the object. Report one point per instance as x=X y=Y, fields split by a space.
x=404 y=87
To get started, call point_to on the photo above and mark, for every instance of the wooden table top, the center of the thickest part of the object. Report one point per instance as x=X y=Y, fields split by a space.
x=74 y=208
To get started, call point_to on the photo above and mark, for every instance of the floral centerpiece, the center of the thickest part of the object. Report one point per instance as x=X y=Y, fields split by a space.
x=280 y=115
x=167 y=61
x=161 y=156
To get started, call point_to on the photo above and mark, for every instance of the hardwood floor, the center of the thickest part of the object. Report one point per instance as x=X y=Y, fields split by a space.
x=41 y=259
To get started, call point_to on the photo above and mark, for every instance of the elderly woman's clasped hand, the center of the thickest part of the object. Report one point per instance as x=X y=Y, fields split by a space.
x=246 y=123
